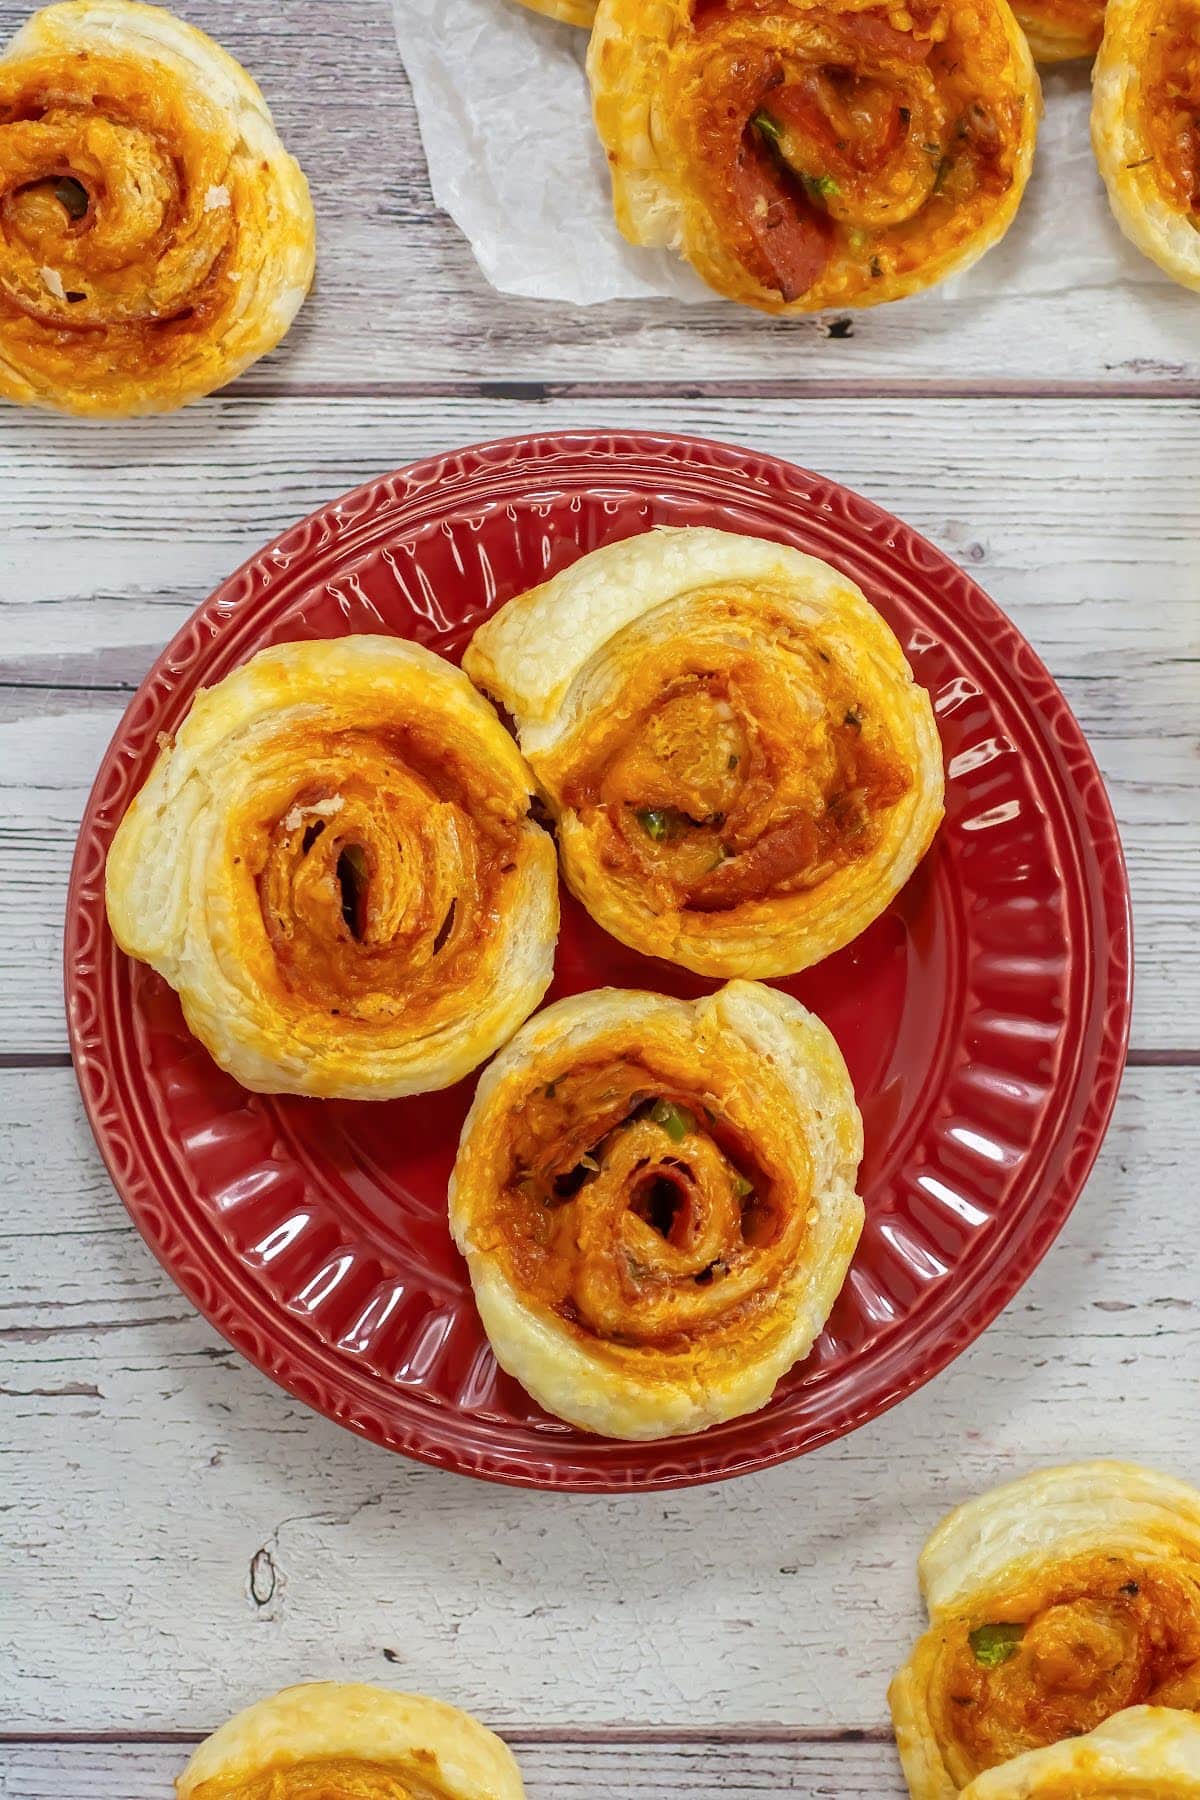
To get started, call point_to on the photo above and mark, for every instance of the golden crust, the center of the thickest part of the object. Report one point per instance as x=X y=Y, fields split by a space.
x=380 y=1746
x=195 y=246
x=334 y=866
x=568 y=12
x=1146 y=1753
x=732 y=140
x=1146 y=97
x=1059 y=30
x=735 y=1111
x=1055 y=1602
x=732 y=680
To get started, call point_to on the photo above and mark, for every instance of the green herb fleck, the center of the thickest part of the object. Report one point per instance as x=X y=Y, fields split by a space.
x=676 y=1121
x=741 y=1186
x=820 y=187
x=993 y=1645
x=653 y=823
x=770 y=128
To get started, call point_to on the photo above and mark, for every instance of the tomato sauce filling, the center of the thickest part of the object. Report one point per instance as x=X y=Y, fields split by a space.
x=379 y=882
x=1171 y=105
x=1103 y=1633
x=634 y=1209
x=852 y=145
x=328 y=1778
x=724 y=791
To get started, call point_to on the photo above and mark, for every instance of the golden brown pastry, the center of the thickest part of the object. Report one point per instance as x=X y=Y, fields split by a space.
x=1147 y=1753
x=334 y=866
x=1146 y=128
x=157 y=238
x=570 y=12
x=803 y=154
x=1054 y=1602
x=331 y=1740
x=656 y=1202
x=743 y=772
x=1060 y=29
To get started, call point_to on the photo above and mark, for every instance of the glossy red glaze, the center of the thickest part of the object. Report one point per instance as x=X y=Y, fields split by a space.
x=984 y=1016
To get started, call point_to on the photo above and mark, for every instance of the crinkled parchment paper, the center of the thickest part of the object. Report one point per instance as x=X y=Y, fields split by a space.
x=503 y=105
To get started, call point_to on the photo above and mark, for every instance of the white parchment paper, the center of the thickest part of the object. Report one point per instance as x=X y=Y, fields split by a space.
x=503 y=106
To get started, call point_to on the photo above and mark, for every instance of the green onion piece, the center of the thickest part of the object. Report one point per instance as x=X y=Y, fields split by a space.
x=770 y=128
x=654 y=824
x=994 y=1644
x=676 y=1121
x=820 y=187
x=741 y=1186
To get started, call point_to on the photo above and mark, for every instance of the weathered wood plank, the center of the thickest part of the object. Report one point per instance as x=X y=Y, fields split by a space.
x=185 y=1536
x=1094 y=558
x=399 y=296
x=615 y=1765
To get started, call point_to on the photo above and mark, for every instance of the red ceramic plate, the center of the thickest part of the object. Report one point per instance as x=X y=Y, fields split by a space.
x=984 y=1017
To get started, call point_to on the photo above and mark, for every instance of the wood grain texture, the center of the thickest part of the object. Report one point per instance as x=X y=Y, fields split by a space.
x=399 y=296
x=113 y=536
x=567 y=1768
x=185 y=1537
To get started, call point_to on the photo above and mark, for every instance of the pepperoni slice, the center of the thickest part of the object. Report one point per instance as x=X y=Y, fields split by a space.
x=793 y=239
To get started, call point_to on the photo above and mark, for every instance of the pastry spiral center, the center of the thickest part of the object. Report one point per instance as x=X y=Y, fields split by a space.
x=113 y=207
x=375 y=878
x=636 y=1211
x=1100 y=1634
x=827 y=131
x=716 y=787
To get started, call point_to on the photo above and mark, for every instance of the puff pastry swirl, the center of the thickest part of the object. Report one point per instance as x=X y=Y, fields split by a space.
x=334 y=866
x=656 y=1202
x=1146 y=128
x=156 y=237
x=742 y=769
x=1054 y=1603
x=1060 y=29
x=330 y=1738
x=803 y=154
x=1147 y=1753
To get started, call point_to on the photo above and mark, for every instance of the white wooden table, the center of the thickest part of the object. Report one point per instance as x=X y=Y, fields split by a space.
x=181 y=1536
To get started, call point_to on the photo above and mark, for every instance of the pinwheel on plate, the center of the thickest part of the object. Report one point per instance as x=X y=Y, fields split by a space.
x=1146 y=128
x=329 y=1738
x=656 y=1202
x=803 y=154
x=157 y=236
x=334 y=865
x=1054 y=1602
x=743 y=771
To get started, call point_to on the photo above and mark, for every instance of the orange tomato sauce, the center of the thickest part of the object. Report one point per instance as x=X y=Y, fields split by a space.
x=1100 y=1634
x=831 y=134
x=713 y=788
x=1171 y=104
